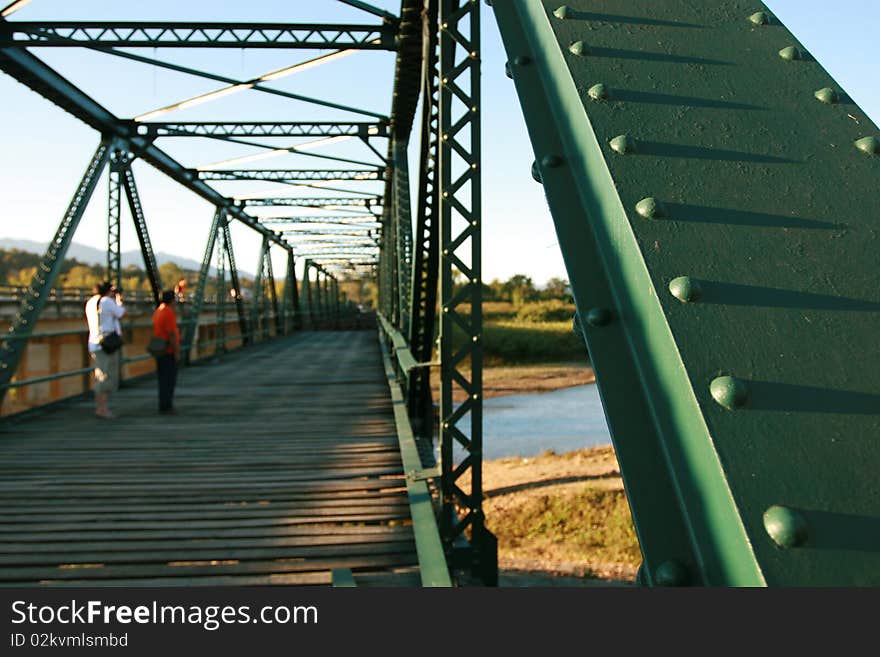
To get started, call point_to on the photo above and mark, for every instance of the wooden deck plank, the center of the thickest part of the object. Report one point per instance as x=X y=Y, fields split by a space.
x=281 y=465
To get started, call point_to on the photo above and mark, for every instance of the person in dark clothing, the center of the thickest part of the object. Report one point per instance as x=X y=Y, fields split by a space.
x=165 y=328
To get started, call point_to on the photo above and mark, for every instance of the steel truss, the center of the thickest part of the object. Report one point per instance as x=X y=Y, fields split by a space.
x=195 y=35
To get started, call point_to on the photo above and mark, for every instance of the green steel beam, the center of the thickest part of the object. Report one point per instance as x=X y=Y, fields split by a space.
x=192 y=324
x=293 y=175
x=118 y=160
x=460 y=216
x=128 y=34
x=13 y=345
x=143 y=236
x=429 y=547
x=714 y=194
x=264 y=129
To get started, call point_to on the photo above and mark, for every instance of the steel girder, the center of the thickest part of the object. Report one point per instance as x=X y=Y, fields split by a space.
x=293 y=175
x=195 y=35
x=192 y=318
x=118 y=159
x=235 y=289
x=143 y=236
x=713 y=191
x=264 y=129
x=426 y=243
x=461 y=425
x=13 y=345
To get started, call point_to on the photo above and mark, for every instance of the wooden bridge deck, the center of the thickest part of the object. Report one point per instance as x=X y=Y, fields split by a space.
x=282 y=464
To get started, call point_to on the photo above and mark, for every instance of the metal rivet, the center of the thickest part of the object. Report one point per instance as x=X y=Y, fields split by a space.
x=579 y=48
x=563 y=12
x=827 y=96
x=598 y=92
x=522 y=60
x=670 y=573
x=790 y=54
x=598 y=317
x=729 y=392
x=685 y=289
x=551 y=161
x=785 y=526
x=507 y=70
x=475 y=338
x=869 y=145
x=623 y=144
x=760 y=18
x=536 y=173
x=651 y=208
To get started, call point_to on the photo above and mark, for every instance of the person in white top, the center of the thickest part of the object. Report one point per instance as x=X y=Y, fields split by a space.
x=103 y=312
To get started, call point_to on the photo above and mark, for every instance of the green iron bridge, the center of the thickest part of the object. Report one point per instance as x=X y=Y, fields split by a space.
x=714 y=195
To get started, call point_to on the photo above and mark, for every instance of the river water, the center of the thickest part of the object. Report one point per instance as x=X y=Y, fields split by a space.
x=526 y=425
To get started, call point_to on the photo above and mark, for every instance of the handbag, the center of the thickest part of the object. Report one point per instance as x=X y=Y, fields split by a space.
x=110 y=342
x=157 y=347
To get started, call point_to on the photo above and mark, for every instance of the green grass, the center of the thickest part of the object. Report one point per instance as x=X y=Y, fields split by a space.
x=588 y=523
x=516 y=342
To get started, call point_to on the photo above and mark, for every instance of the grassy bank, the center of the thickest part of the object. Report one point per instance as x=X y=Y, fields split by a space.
x=537 y=332
x=562 y=514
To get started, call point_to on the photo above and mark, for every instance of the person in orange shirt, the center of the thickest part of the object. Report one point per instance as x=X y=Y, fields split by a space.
x=165 y=328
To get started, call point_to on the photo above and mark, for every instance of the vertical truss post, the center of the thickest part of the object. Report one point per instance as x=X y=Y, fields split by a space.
x=321 y=280
x=220 y=307
x=462 y=510
x=402 y=218
x=291 y=296
x=140 y=226
x=236 y=285
x=13 y=345
x=273 y=294
x=307 y=292
x=427 y=239
x=192 y=319
x=257 y=307
x=336 y=301
x=118 y=162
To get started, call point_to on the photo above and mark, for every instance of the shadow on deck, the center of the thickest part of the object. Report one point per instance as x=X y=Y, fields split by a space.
x=282 y=465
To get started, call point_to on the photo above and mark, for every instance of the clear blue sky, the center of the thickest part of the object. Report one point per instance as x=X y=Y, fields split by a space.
x=45 y=151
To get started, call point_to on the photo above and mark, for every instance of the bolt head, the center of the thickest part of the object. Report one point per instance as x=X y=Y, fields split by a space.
x=685 y=289
x=579 y=48
x=869 y=145
x=599 y=92
x=522 y=60
x=760 y=18
x=551 y=161
x=827 y=96
x=563 y=12
x=785 y=526
x=536 y=173
x=651 y=208
x=791 y=54
x=623 y=144
x=507 y=70
x=729 y=392
x=670 y=573
x=598 y=317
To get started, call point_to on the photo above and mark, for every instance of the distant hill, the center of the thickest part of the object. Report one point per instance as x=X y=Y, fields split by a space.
x=92 y=256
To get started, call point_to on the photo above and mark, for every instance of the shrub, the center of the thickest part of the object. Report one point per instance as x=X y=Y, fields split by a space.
x=554 y=310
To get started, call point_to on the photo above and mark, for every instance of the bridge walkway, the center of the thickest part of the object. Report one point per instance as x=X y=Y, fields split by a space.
x=281 y=465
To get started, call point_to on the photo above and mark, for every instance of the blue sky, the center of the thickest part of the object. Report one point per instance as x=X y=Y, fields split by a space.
x=44 y=151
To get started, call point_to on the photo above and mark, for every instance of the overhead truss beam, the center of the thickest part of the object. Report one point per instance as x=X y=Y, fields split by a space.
x=293 y=175
x=125 y=34
x=264 y=129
